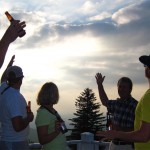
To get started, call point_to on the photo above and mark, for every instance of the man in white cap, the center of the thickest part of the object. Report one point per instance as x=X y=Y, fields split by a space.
x=13 y=114
x=141 y=134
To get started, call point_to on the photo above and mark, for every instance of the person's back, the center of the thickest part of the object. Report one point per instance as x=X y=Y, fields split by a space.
x=12 y=104
x=59 y=142
x=48 y=121
x=13 y=113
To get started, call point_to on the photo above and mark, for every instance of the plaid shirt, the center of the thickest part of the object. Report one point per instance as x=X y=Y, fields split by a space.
x=123 y=111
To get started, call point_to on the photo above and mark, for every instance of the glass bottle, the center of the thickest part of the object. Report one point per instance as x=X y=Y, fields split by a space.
x=109 y=121
x=29 y=107
x=9 y=16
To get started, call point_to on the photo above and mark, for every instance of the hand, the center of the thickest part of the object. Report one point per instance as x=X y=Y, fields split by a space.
x=30 y=116
x=99 y=78
x=14 y=30
x=57 y=126
x=21 y=31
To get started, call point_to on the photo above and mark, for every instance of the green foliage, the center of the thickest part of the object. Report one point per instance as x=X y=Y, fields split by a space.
x=88 y=117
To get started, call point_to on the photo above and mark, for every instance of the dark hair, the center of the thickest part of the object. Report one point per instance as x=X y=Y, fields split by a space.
x=48 y=94
x=126 y=80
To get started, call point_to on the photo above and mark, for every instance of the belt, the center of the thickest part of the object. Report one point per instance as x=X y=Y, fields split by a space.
x=121 y=142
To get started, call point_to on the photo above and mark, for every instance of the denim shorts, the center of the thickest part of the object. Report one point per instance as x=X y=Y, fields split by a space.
x=21 y=145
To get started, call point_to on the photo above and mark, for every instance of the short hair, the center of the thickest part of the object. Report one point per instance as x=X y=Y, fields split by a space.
x=48 y=94
x=126 y=80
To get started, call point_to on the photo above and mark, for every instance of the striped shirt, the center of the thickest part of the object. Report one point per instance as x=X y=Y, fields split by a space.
x=123 y=112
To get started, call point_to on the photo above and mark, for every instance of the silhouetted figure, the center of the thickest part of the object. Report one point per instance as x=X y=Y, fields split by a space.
x=141 y=133
x=50 y=126
x=122 y=109
x=14 y=117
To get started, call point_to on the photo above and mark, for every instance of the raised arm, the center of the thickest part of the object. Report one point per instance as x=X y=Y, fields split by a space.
x=9 y=36
x=102 y=93
x=4 y=75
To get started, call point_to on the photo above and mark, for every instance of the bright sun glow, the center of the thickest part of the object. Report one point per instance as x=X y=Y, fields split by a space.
x=35 y=60
x=76 y=46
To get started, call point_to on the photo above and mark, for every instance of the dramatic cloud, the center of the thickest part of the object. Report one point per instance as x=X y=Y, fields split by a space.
x=69 y=41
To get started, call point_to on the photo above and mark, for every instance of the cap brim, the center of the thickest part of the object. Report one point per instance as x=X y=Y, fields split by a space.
x=145 y=60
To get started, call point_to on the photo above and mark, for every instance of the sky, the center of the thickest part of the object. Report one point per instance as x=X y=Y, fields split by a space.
x=68 y=41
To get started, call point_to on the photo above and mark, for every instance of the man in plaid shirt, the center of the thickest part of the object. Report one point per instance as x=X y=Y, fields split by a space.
x=122 y=109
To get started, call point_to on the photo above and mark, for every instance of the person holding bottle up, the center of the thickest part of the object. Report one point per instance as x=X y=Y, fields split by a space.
x=14 y=115
x=15 y=30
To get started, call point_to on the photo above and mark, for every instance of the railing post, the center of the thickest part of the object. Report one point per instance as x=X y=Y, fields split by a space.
x=87 y=141
x=79 y=146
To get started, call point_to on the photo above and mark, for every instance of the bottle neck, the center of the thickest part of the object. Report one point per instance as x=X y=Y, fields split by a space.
x=10 y=18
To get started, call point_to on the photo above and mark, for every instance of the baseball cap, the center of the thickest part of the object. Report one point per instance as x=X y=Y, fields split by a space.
x=14 y=72
x=145 y=60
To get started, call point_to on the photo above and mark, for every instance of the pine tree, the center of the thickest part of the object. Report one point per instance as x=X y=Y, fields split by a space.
x=88 y=117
